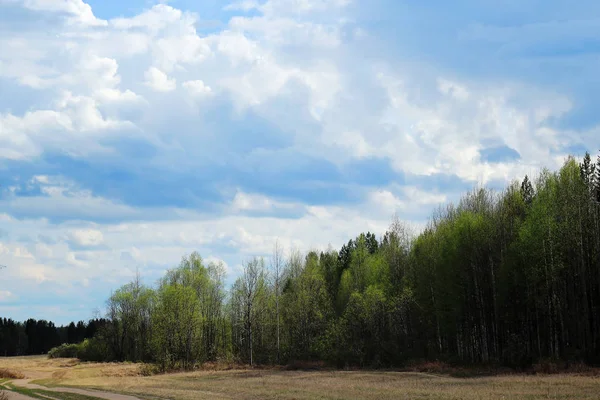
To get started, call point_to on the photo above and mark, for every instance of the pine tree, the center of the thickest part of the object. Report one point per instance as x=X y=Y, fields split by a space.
x=597 y=180
x=345 y=256
x=527 y=190
x=372 y=243
x=587 y=170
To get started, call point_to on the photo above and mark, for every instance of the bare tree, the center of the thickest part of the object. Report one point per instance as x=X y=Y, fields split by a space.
x=252 y=285
x=295 y=263
x=278 y=269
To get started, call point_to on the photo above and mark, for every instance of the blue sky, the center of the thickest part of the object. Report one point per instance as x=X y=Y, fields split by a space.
x=132 y=133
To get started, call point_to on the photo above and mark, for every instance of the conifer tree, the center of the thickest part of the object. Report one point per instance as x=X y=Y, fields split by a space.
x=527 y=190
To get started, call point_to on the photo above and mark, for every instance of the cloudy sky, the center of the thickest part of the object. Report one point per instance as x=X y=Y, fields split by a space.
x=133 y=132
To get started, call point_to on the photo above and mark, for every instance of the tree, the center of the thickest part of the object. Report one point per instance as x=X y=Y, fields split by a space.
x=597 y=180
x=306 y=309
x=527 y=190
x=371 y=241
x=251 y=286
x=278 y=270
x=587 y=171
x=509 y=276
x=129 y=312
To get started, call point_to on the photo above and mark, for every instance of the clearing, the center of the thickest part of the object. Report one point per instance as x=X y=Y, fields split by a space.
x=66 y=379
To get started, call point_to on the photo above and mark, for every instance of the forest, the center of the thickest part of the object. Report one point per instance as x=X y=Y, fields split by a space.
x=506 y=277
x=35 y=337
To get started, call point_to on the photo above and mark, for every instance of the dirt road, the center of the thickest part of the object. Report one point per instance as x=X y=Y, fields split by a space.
x=25 y=383
x=17 y=396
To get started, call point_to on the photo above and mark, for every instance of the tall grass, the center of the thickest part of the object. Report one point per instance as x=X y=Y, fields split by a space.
x=9 y=374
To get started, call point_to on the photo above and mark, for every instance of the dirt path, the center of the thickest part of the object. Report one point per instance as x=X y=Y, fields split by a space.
x=26 y=383
x=17 y=396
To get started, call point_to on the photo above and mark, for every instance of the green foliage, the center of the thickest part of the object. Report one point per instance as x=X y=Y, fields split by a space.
x=507 y=277
x=94 y=349
x=306 y=309
x=64 y=351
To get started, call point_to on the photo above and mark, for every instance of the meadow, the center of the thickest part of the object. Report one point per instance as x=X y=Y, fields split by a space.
x=246 y=383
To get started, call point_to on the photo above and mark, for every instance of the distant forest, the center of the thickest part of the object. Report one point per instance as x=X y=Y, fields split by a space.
x=38 y=337
x=509 y=277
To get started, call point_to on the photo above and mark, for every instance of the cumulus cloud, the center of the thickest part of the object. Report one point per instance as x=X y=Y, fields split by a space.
x=108 y=163
x=87 y=237
x=159 y=81
x=197 y=88
x=77 y=11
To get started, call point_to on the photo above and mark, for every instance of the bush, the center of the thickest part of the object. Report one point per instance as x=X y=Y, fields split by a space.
x=149 y=369
x=64 y=351
x=94 y=349
x=547 y=366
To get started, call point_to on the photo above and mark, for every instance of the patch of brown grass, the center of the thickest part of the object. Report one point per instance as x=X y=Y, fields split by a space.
x=120 y=370
x=229 y=381
x=550 y=367
x=71 y=362
x=9 y=374
x=59 y=374
x=222 y=366
x=443 y=368
x=306 y=366
x=3 y=395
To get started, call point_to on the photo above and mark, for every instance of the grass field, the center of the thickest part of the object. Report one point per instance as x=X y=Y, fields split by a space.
x=276 y=384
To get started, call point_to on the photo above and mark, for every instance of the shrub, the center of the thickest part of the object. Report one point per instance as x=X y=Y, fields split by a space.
x=149 y=369
x=552 y=366
x=64 y=351
x=94 y=349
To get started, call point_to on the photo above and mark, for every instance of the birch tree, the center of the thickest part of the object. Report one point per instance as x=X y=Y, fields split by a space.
x=278 y=270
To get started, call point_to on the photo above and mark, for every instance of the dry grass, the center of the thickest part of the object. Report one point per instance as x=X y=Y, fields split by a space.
x=3 y=395
x=9 y=374
x=281 y=384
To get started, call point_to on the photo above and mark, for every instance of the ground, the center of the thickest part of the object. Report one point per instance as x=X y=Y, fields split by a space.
x=72 y=380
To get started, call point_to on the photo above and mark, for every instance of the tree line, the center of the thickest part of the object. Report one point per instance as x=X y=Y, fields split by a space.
x=34 y=337
x=507 y=277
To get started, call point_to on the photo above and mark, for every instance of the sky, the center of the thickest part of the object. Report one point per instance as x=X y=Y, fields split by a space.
x=135 y=132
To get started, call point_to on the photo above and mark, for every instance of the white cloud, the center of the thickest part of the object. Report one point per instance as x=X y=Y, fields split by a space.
x=5 y=295
x=71 y=126
x=452 y=89
x=404 y=201
x=386 y=200
x=87 y=237
x=159 y=81
x=197 y=88
x=113 y=96
x=156 y=19
x=79 y=12
x=64 y=200
x=279 y=7
x=243 y=201
x=290 y=64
